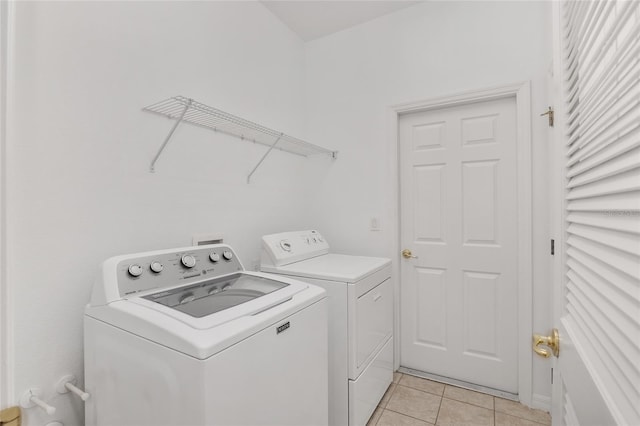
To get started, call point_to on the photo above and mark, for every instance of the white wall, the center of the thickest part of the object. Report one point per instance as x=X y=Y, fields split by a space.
x=425 y=51
x=78 y=154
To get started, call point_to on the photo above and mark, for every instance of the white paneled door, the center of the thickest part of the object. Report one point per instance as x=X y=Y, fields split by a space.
x=459 y=306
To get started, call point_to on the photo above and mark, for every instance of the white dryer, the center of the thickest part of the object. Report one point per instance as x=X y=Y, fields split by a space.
x=360 y=296
x=188 y=337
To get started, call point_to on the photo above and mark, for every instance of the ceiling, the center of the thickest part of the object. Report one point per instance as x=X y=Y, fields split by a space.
x=315 y=19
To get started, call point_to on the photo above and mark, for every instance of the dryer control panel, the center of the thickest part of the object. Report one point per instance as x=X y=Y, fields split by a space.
x=126 y=276
x=289 y=247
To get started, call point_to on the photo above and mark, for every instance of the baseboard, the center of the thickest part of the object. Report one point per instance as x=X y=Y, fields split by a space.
x=541 y=402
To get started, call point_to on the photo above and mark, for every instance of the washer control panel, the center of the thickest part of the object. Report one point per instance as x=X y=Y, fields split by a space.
x=288 y=247
x=157 y=270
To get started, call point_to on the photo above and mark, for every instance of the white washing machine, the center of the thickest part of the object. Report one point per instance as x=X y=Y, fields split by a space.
x=360 y=317
x=188 y=337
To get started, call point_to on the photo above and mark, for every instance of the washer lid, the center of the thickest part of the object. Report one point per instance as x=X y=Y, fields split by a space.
x=201 y=337
x=205 y=305
x=333 y=267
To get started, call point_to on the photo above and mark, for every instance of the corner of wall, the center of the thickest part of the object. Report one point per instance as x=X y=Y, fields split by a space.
x=6 y=357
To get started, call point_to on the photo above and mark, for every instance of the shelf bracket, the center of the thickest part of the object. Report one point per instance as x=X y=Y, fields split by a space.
x=263 y=157
x=166 y=140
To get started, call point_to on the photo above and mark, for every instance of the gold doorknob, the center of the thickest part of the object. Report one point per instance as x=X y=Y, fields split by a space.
x=407 y=254
x=552 y=342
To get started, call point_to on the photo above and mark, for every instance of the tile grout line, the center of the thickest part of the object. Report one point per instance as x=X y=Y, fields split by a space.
x=522 y=418
x=439 y=407
x=470 y=403
x=405 y=414
x=494 y=411
x=422 y=390
x=408 y=415
x=387 y=403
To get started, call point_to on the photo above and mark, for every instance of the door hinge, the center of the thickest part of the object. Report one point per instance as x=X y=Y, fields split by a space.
x=551 y=375
x=553 y=247
x=550 y=114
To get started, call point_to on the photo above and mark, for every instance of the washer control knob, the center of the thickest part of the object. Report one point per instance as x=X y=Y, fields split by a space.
x=156 y=266
x=227 y=255
x=135 y=270
x=286 y=245
x=214 y=257
x=188 y=261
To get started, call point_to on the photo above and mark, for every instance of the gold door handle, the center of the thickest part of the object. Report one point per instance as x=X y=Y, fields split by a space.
x=552 y=342
x=407 y=254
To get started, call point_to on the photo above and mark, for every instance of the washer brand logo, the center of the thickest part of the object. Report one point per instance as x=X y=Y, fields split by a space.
x=282 y=327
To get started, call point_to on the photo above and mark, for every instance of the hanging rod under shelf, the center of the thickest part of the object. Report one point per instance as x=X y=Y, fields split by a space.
x=183 y=109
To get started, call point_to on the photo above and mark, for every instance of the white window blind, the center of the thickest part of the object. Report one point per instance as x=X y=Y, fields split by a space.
x=602 y=77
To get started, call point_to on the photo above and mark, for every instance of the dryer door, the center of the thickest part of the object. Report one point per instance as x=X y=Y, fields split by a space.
x=373 y=325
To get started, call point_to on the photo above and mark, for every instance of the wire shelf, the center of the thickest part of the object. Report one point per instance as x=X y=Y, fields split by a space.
x=185 y=109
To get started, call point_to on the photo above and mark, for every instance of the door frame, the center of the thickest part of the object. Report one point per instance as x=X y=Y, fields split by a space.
x=522 y=93
x=557 y=201
x=7 y=25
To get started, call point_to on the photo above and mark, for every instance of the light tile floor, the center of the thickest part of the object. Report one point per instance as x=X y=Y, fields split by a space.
x=412 y=401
